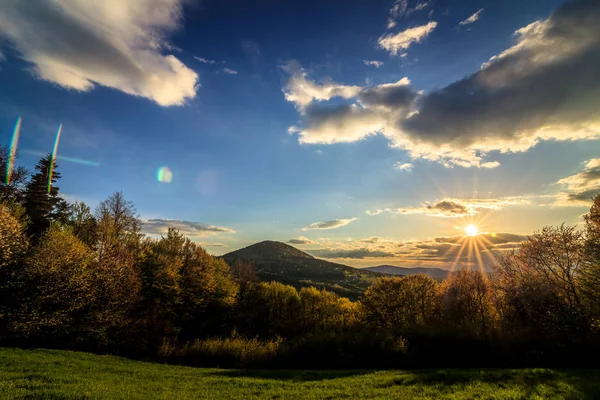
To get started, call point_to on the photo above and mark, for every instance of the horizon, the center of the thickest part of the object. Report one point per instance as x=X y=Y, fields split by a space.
x=406 y=133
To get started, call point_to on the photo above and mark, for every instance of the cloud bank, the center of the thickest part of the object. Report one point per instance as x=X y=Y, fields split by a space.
x=544 y=87
x=456 y=208
x=79 y=44
x=193 y=230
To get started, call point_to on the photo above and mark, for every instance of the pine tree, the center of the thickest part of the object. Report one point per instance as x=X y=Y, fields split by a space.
x=42 y=203
x=11 y=192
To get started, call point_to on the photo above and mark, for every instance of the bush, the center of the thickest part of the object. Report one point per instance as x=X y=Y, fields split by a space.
x=235 y=351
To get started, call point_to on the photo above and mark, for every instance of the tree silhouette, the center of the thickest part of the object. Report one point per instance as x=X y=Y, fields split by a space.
x=41 y=202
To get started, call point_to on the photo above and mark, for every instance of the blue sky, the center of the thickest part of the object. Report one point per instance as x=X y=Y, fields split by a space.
x=401 y=135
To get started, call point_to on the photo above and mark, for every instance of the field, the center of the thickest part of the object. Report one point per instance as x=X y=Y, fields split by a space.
x=53 y=374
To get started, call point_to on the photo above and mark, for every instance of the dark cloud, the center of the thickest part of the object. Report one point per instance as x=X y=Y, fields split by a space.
x=581 y=187
x=301 y=240
x=545 y=87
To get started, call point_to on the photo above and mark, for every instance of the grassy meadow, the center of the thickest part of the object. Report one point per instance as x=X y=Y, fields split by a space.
x=54 y=374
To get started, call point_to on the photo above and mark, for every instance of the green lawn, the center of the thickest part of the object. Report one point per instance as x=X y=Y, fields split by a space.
x=52 y=374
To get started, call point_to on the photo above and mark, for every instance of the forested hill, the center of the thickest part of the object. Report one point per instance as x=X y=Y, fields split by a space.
x=276 y=261
x=435 y=273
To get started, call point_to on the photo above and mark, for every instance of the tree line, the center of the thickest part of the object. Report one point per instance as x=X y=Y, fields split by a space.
x=73 y=277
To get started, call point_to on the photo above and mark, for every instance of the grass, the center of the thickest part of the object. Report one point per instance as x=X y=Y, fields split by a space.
x=54 y=374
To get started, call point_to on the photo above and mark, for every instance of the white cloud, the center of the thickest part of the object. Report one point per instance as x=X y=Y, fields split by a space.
x=395 y=43
x=78 y=44
x=373 y=63
x=332 y=224
x=544 y=87
x=400 y=9
x=302 y=92
x=472 y=18
x=204 y=60
x=230 y=71
x=403 y=166
x=193 y=230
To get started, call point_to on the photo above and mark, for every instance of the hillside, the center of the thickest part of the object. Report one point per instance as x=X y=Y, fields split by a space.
x=276 y=261
x=436 y=273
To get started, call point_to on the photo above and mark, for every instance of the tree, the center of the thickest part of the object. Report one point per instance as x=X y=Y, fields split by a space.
x=398 y=304
x=83 y=223
x=57 y=284
x=13 y=241
x=13 y=247
x=590 y=271
x=269 y=310
x=118 y=249
x=41 y=201
x=12 y=191
x=468 y=303
x=323 y=311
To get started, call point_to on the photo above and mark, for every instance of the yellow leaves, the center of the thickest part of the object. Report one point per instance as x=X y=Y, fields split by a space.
x=13 y=241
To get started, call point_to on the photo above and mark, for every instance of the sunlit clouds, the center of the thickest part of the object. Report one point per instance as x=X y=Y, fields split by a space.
x=582 y=186
x=332 y=224
x=456 y=208
x=396 y=43
x=476 y=250
x=544 y=87
x=472 y=18
x=79 y=44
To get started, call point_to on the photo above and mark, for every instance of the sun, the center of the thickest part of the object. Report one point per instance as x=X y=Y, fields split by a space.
x=471 y=230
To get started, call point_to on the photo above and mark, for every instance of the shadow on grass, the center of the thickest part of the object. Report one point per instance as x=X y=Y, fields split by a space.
x=583 y=384
x=292 y=375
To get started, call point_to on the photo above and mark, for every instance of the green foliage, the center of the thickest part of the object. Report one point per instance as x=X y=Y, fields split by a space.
x=269 y=310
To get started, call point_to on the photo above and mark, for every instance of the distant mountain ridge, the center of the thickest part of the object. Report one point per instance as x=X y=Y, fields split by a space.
x=436 y=273
x=277 y=261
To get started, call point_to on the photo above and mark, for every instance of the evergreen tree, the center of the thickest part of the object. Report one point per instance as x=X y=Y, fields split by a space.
x=41 y=202
x=13 y=191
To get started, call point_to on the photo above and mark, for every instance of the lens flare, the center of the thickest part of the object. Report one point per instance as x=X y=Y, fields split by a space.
x=12 y=155
x=164 y=175
x=81 y=161
x=53 y=158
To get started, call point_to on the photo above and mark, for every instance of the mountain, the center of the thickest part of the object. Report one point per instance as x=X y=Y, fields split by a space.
x=276 y=261
x=436 y=273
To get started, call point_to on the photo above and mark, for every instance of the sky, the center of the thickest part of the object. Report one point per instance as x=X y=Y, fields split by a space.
x=365 y=132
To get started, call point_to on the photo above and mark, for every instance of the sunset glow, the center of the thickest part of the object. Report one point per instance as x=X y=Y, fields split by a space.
x=471 y=230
